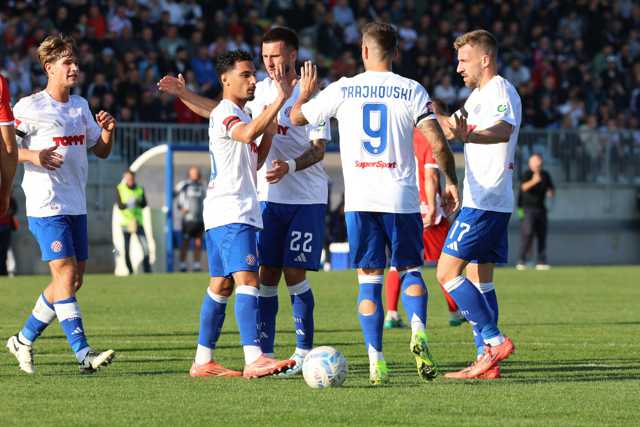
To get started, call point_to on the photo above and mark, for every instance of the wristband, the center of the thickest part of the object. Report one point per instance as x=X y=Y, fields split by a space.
x=292 y=165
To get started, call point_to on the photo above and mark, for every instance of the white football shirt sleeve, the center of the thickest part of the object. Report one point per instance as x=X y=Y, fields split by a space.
x=322 y=131
x=93 y=130
x=421 y=105
x=502 y=106
x=324 y=105
x=225 y=118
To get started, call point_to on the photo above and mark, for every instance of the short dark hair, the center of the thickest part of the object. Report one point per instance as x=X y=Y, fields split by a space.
x=227 y=60
x=384 y=36
x=282 y=34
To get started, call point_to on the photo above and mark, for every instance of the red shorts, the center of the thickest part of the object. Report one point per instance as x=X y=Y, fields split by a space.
x=434 y=238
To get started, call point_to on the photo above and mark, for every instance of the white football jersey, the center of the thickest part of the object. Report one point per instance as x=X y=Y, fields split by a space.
x=42 y=122
x=488 y=178
x=231 y=195
x=307 y=186
x=376 y=112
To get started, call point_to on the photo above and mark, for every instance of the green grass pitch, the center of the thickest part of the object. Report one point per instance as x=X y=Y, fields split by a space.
x=577 y=333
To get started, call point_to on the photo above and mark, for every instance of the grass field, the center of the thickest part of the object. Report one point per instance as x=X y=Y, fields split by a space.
x=577 y=332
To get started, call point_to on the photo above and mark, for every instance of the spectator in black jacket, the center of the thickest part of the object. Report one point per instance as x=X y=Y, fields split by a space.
x=536 y=185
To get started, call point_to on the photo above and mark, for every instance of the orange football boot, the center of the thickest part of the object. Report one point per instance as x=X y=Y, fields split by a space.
x=266 y=366
x=212 y=369
x=491 y=357
x=491 y=374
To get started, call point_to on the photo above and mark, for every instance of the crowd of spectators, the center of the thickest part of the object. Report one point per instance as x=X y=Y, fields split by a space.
x=575 y=63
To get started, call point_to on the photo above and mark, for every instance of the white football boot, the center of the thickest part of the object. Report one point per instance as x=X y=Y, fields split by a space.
x=96 y=360
x=22 y=352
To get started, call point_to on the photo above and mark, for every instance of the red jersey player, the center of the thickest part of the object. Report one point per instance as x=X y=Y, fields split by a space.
x=434 y=232
x=8 y=147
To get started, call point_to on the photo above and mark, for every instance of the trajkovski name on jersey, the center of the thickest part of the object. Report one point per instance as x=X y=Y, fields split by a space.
x=307 y=186
x=231 y=195
x=42 y=122
x=376 y=112
x=488 y=180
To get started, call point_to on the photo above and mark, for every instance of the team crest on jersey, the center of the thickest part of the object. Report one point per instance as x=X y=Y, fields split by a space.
x=250 y=259
x=287 y=111
x=502 y=108
x=56 y=246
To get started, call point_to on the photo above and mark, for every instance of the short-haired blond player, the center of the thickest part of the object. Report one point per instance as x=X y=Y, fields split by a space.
x=488 y=124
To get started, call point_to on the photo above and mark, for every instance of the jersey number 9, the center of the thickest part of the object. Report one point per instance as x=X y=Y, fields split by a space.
x=375 y=113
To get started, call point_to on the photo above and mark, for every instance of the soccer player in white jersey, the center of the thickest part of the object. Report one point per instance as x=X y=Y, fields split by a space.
x=488 y=125
x=377 y=112
x=232 y=215
x=293 y=194
x=8 y=147
x=55 y=131
x=292 y=190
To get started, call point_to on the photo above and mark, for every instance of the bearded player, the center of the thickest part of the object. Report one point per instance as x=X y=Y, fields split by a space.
x=377 y=111
x=293 y=193
x=488 y=125
x=435 y=225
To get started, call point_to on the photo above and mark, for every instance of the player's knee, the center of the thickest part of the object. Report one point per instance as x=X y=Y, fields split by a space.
x=367 y=307
x=224 y=288
x=293 y=276
x=270 y=275
x=416 y=290
x=443 y=275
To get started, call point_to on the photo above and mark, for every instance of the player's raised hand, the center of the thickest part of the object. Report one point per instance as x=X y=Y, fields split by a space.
x=284 y=84
x=49 y=159
x=106 y=121
x=450 y=199
x=308 y=80
x=172 y=85
x=279 y=169
x=460 y=130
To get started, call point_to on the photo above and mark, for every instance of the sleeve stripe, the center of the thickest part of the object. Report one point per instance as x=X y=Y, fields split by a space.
x=7 y=123
x=229 y=121
x=424 y=116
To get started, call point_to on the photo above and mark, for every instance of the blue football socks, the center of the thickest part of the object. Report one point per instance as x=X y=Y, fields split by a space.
x=414 y=299
x=70 y=318
x=302 y=304
x=268 y=304
x=42 y=315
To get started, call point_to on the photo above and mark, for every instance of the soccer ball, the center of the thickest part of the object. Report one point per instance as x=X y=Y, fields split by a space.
x=324 y=367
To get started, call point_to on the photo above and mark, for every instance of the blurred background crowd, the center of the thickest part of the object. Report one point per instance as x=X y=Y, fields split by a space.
x=576 y=64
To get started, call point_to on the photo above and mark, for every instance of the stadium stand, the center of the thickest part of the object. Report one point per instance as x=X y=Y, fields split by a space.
x=570 y=68
x=576 y=65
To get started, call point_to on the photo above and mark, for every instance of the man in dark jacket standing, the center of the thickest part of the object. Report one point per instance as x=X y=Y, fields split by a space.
x=535 y=186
